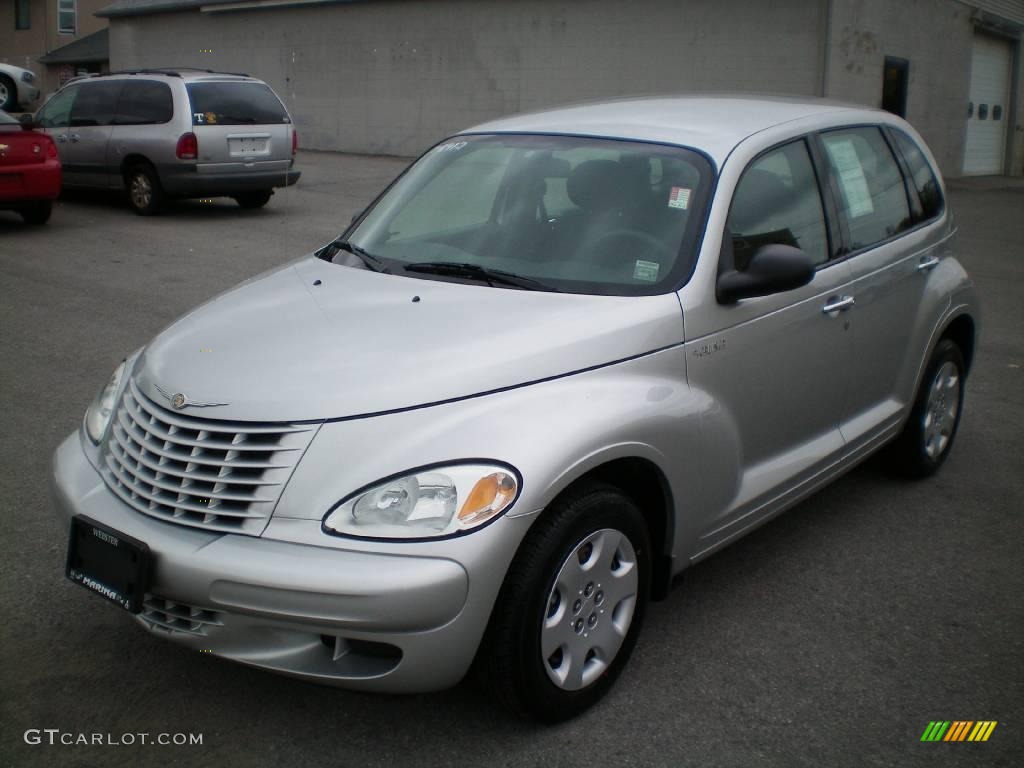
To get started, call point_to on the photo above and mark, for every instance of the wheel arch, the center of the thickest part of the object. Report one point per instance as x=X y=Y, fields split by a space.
x=961 y=331
x=647 y=485
x=131 y=160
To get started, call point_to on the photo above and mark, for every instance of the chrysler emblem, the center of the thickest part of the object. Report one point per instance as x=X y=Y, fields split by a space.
x=179 y=401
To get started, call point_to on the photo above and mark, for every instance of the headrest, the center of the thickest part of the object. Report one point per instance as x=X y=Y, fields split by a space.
x=597 y=185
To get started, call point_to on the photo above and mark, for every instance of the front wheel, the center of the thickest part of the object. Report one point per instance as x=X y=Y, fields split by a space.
x=37 y=213
x=8 y=94
x=927 y=437
x=569 y=612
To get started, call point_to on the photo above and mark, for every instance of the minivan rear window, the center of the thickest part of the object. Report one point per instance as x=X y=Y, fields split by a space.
x=235 y=103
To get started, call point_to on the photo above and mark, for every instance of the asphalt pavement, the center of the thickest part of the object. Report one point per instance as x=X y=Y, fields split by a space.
x=829 y=637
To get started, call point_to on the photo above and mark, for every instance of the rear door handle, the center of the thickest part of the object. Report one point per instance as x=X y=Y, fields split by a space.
x=75 y=137
x=61 y=137
x=838 y=304
x=926 y=263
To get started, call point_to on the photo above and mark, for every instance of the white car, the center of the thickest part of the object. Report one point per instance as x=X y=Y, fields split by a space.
x=17 y=88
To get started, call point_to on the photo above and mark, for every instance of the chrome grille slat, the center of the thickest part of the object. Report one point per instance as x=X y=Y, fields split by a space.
x=169 y=469
x=216 y=475
x=154 y=430
x=169 y=499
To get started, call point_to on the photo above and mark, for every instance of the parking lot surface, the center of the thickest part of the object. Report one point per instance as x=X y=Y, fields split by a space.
x=829 y=637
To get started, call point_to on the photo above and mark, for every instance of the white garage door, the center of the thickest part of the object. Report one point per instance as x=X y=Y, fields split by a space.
x=989 y=108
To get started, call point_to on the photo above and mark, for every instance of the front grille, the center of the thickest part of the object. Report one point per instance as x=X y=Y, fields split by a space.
x=178 y=617
x=207 y=473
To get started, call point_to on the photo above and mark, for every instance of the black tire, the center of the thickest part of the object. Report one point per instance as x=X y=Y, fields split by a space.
x=909 y=453
x=254 y=199
x=510 y=662
x=8 y=94
x=145 y=194
x=37 y=213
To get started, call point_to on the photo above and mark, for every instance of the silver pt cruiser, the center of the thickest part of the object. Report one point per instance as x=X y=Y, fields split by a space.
x=562 y=357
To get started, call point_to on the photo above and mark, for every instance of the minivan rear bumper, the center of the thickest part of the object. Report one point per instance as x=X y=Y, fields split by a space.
x=184 y=181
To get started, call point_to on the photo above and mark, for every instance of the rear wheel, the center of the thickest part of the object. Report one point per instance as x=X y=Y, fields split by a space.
x=8 y=94
x=253 y=199
x=569 y=612
x=927 y=437
x=37 y=213
x=145 y=195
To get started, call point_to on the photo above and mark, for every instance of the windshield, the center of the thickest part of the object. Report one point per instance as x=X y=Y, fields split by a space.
x=573 y=214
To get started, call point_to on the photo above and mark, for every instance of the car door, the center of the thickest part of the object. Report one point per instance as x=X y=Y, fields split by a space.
x=55 y=116
x=88 y=134
x=774 y=368
x=890 y=259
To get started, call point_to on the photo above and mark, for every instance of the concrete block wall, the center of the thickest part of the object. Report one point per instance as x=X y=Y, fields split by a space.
x=394 y=77
x=935 y=36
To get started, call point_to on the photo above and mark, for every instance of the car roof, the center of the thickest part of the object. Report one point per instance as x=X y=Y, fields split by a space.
x=173 y=73
x=713 y=123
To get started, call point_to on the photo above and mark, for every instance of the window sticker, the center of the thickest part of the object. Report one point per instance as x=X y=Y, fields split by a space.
x=646 y=270
x=851 y=177
x=679 y=197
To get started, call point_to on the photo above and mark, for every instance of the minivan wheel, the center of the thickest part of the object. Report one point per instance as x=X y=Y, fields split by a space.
x=253 y=199
x=145 y=195
x=928 y=435
x=571 y=607
x=37 y=213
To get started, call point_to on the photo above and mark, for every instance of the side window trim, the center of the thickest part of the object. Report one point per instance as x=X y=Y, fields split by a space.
x=829 y=211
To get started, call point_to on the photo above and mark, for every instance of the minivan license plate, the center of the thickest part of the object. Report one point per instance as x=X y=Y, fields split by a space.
x=107 y=562
x=247 y=145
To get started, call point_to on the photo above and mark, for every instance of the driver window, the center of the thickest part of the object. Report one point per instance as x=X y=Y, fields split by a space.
x=57 y=111
x=777 y=202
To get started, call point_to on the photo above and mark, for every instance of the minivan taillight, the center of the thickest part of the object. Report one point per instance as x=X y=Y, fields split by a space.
x=295 y=140
x=188 y=147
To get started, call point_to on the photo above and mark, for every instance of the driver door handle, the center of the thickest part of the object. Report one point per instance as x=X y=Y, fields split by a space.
x=928 y=262
x=838 y=304
x=61 y=137
x=75 y=137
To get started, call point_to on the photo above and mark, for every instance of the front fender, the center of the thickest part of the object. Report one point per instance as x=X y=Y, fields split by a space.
x=552 y=432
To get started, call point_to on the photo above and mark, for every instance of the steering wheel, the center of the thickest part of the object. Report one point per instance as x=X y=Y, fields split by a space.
x=609 y=257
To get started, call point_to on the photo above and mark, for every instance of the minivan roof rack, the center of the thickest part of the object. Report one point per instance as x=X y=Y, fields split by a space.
x=169 y=71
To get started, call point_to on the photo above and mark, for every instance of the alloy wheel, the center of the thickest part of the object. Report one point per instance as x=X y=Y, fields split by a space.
x=941 y=410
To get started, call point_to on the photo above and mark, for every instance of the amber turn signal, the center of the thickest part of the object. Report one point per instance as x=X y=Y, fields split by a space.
x=489 y=496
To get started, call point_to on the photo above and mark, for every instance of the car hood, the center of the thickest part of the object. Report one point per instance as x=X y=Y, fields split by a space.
x=314 y=340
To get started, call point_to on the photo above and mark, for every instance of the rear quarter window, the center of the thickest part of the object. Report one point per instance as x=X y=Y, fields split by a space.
x=922 y=176
x=235 y=103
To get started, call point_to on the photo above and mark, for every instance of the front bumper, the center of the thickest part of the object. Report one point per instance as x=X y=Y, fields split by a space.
x=27 y=94
x=388 y=621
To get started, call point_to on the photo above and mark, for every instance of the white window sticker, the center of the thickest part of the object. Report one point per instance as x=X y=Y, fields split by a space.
x=679 y=197
x=851 y=177
x=646 y=270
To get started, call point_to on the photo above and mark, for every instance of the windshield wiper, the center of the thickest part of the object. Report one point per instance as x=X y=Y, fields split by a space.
x=477 y=272
x=373 y=263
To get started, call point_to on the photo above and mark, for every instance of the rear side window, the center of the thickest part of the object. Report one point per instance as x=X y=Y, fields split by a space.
x=96 y=104
x=873 y=199
x=777 y=201
x=235 y=103
x=144 y=102
x=922 y=176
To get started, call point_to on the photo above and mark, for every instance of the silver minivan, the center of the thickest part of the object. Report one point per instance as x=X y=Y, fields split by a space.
x=162 y=133
x=560 y=359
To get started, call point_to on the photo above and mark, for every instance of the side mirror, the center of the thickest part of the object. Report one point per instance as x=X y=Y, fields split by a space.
x=772 y=269
x=28 y=121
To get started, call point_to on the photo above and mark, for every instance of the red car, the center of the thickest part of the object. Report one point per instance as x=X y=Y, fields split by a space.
x=29 y=170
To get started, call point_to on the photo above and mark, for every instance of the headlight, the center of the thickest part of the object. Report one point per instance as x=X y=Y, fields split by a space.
x=28 y=77
x=97 y=418
x=430 y=503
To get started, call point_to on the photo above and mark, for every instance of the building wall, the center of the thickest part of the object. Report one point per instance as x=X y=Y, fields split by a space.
x=23 y=47
x=935 y=36
x=393 y=77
